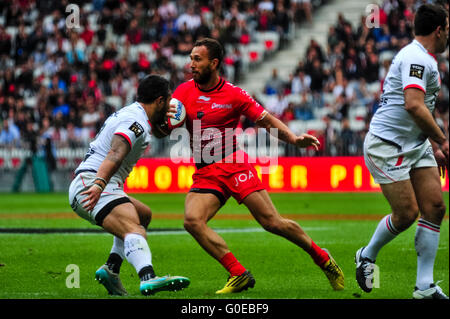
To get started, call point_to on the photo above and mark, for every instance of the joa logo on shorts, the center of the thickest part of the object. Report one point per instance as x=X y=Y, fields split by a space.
x=243 y=177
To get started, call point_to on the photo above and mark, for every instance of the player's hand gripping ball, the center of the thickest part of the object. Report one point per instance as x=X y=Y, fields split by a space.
x=179 y=116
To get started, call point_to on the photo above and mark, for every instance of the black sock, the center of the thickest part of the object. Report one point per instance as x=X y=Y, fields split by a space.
x=146 y=273
x=114 y=262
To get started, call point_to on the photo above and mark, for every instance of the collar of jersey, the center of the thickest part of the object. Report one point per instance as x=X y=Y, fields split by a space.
x=423 y=48
x=145 y=113
x=217 y=87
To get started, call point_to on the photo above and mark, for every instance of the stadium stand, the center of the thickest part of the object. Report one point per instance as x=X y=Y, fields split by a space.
x=57 y=85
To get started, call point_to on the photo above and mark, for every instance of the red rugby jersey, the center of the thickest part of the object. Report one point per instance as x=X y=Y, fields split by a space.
x=217 y=109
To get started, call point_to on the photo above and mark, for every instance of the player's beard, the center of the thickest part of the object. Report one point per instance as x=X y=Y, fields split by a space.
x=203 y=78
x=159 y=117
x=444 y=47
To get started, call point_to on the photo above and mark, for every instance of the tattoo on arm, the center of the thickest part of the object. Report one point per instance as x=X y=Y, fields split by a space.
x=119 y=149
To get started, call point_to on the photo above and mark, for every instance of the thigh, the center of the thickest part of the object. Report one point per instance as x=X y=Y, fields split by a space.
x=401 y=198
x=201 y=206
x=240 y=180
x=144 y=212
x=427 y=186
x=123 y=219
x=261 y=206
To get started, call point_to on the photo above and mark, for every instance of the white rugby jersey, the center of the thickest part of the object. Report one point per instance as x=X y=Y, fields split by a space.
x=412 y=67
x=132 y=123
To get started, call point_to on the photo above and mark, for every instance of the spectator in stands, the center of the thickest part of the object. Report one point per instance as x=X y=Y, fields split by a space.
x=265 y=15
x=289 y=113
x=168 y=10
x=90 y=118
x=190 y=18
x=371 y=70
x=74 y=136
x=382 y=38
x=317 y=76
x=40 y=61
x=282 y=22
x=277 y=104
x=76 y=49
x=348 y=141
x=274 y=85
x=302 y=7
x=134 y=33
x=87 y=35
x=301 y=83
x=120 y=20
x=61 y=107
x=303 y=111
x=9 y=134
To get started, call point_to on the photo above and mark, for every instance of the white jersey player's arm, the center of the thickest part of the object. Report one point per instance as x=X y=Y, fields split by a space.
x=415 y=105
x=117 y=153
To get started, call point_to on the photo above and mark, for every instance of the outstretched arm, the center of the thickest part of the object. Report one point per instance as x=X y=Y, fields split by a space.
x=118 y=151
x=269 y=121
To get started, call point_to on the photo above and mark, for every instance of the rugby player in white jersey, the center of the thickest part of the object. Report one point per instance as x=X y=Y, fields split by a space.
x=406 y=151
x=96 y=194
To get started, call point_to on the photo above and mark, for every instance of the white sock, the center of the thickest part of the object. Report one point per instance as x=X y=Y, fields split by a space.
x=426 y=243
x=137 y=251
x=384 y=233
x=118 y=247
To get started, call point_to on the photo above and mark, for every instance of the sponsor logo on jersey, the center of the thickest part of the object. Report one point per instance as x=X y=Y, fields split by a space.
x=137 y=129
x=221 y=106
x=204 y=98
x=416 y=70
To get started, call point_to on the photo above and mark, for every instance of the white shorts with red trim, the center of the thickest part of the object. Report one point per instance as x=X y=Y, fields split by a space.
x=389 y=164
x=111 y=196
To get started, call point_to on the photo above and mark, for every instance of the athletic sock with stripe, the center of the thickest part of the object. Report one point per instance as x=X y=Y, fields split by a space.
x=426 y=243
x=384 y=233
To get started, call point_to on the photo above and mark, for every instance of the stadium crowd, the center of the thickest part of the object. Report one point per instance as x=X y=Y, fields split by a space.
x=59 y=84
x=333 y=83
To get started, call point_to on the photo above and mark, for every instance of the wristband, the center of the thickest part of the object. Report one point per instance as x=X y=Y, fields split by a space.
x=101 y=179
x=99 y=186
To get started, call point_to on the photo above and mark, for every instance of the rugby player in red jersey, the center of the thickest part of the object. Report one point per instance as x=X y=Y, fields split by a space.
x=217 y=105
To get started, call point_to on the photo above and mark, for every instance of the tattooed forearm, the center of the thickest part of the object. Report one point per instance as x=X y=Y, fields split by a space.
x=119 y=149
x=117 y=153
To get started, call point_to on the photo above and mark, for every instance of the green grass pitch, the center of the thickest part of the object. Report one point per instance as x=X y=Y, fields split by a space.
x=33 y=265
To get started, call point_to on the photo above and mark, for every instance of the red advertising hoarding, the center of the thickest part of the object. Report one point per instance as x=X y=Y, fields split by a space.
x=289 y=174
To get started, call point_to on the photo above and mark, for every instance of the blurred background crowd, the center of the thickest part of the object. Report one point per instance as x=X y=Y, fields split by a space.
x=58 y=85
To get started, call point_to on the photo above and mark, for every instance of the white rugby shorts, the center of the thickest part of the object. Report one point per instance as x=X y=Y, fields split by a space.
x=112 y=196
x=388 y=164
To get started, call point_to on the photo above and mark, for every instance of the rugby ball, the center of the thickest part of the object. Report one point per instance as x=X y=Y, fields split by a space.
x=180 y=115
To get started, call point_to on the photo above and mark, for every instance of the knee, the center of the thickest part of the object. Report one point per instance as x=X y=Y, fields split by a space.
x=273 y=225
x=133 y=228
x=436 y=213
x=406 y=219
x=193 y=225
x=440 y=210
